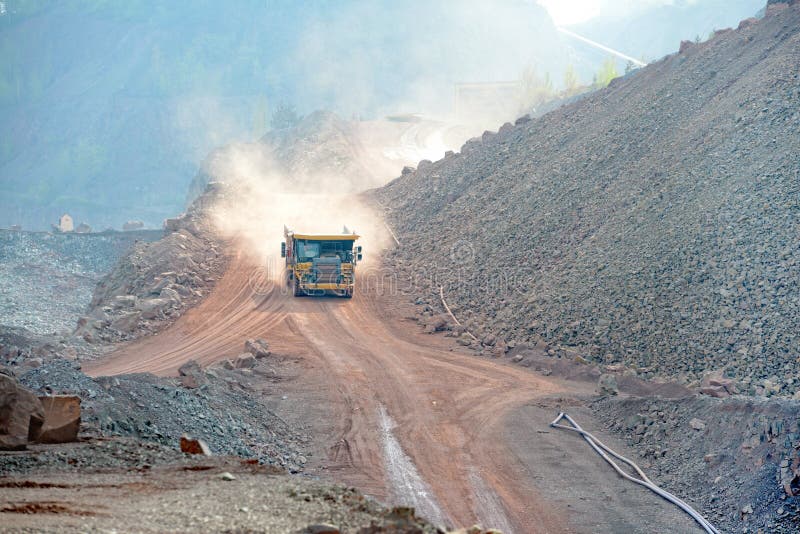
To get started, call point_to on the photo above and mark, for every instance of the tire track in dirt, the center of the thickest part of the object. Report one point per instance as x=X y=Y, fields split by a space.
x=448 y=408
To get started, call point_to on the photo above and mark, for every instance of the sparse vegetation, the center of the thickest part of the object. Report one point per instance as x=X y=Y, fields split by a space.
x=607 y=72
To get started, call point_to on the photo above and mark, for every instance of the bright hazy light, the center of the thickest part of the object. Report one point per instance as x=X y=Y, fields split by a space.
x=565 y=12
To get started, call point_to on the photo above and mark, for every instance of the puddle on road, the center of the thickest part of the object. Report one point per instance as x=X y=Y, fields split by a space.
x=491 y=511
x=408 y=487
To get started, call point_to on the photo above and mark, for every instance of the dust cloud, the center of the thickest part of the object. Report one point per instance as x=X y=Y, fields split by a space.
x=258 y=200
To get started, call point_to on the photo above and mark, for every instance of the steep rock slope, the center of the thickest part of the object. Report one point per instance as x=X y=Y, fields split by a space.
x=655 y=223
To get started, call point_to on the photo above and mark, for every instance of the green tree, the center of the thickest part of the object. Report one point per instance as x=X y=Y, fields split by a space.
x=535 y=90
x=571 y=84
x=608 y=71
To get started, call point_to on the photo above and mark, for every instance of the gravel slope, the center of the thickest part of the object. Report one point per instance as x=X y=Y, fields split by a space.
x=654 y=223
x=46 y=280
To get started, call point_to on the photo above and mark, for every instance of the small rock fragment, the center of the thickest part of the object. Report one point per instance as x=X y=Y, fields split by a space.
x=697 y=424
x=607 y=385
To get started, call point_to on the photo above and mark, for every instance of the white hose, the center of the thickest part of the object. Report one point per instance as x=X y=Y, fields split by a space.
x=450 y=313
x=602 y=449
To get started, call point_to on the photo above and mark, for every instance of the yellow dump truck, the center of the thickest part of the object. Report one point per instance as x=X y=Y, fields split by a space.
x=320 y=264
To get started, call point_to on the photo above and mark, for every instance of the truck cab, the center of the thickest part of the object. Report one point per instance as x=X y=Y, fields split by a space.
x=319 y=264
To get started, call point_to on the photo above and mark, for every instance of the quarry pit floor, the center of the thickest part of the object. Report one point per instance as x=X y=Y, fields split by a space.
x=408 y=417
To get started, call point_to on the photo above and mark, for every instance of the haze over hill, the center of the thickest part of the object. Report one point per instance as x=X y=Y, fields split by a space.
x=651 y=29
x=111 y=113
x=114 y=110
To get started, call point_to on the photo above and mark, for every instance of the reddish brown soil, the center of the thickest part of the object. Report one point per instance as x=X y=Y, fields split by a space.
x=358 y=355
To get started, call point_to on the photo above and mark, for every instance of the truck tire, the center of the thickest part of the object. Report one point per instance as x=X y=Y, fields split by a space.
x=297 y=291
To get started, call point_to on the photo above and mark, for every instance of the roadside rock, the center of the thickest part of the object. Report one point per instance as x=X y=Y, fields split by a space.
x=245 y=361
x=152 y=308
x=191 y=375
x=21 y=415
x=191 y=445
x=62 y=418
x=127 y=322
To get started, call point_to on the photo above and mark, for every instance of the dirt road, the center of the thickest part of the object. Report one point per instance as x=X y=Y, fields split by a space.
x=402 y=415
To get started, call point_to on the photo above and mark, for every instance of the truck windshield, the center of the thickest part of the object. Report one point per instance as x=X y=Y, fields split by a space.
x=307 y=250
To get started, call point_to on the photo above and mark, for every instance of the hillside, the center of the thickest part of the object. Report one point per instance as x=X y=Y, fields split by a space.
x=654 y=223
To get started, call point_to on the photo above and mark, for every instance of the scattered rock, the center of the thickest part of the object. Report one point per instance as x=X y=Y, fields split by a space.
x=192 y=445
x=607 y=385
x=257 y=347
x=245 y=361
x=127 y=322
x=152 y=308
x=322 y=528
x=697 y=424
x=227 y=476
x=191 y=375
x=123 y=301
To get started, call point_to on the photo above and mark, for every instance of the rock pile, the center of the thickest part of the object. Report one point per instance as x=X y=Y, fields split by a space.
x=155 y=282
x=655 y=223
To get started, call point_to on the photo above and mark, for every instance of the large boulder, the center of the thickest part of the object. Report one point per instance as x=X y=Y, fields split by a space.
x=62 y=418
x=21 y=415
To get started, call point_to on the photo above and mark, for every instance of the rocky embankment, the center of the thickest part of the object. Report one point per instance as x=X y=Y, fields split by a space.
x=739 y=457
x=652 y=224
x=154 y=283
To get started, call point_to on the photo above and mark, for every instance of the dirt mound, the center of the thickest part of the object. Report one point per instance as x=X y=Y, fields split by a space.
x=653 y=223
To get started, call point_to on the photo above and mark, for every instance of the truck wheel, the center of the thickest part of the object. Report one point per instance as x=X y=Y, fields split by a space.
x=348 y=293
x=297 y=291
